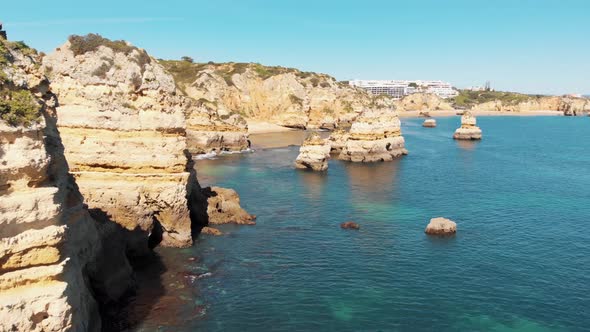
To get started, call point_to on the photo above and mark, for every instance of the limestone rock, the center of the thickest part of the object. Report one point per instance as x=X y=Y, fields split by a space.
x=468 y=129
x=283 y=96
x=423 y=102
x=51 y=250
x=374 y=136
x=313 y=154
x=211 y=231
x=224 y=207
x=350 y=225
x=124 y=131
x=441 y=226
x=430 y=123
x=337 y=140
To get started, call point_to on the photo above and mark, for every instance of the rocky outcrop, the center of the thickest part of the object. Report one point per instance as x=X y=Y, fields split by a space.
x=211 y=231
x=283 y=96
x=223 y=207
x=54 y=262
x=468 y=130
x=337 y=140
x=567 y=105
x=422 y=102
x=441 y=226
x=429 y=123
x=313 y=154
x=374 y=136
x=124 y=131
x=350 y=225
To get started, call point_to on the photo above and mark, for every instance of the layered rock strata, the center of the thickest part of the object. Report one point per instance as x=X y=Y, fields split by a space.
x=337 y=140
x=124 y=132
x=468 y=130
x=54 y=264
x=283 y=96
x=374 y=136
x=223 y=207
x=422 y=102
x=313 y=154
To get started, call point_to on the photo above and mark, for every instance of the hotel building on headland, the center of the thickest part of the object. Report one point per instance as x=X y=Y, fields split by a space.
x=400 y=88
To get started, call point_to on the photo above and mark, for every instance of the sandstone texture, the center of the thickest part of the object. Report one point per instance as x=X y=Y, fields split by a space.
x=53 y=257
x=430 y=123
x=313 y=154
x=468 y=130
x=211 y=231
x=124 y=131
x=423 y=102
x=337 y=140
x=374 y=136
x=570 y=106
x=283 y=96
x=441 y=226
x=223 y=207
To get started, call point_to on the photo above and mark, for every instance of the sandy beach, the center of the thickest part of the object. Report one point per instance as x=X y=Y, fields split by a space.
x=261 y=127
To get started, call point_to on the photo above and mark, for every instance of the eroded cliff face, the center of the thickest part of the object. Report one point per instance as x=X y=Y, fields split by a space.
x=284 y=96
x=567 y=105
x=124 y=131
x=423 y=102
x=52 y=257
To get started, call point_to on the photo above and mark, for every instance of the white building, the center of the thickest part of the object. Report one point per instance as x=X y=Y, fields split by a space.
x=400 y=88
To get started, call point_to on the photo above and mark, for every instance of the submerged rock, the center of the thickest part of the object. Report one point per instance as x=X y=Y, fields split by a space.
x=313 y=154
x=441 y=226
x=429 y=123
x=211 y=231
x=223 y=207
x=468 y=129
x=374 y=136
x=350 y=225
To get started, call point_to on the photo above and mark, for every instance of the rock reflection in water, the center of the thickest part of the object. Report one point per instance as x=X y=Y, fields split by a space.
x=373 y=181
x=467 y=145
x=314 y=183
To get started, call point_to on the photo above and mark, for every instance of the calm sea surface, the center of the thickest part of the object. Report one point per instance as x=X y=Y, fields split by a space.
x=519 y=262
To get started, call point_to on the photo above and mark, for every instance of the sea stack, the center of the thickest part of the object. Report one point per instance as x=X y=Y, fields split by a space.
x=337 y=140
x=468 y=129
x=313 y=154
x=374 y=136
x=429 y=123
x=441 y=226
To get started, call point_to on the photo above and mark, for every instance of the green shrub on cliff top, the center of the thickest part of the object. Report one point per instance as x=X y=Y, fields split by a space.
x=91 y=42
x=19 y=107
x=467 y=98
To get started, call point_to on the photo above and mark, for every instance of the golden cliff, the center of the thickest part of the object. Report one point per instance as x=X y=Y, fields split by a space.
x=54 y=265
x=284 y=96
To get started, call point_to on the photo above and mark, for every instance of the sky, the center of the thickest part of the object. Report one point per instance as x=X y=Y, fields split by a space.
x=529 y=46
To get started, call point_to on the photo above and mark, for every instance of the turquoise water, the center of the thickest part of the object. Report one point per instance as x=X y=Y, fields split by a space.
x=519 y=262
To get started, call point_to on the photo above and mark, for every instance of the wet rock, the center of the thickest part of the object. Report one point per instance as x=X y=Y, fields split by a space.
x=350 y=225
x=211 y=231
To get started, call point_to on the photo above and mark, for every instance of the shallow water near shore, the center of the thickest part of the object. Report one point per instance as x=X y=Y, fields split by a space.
x=519 y=261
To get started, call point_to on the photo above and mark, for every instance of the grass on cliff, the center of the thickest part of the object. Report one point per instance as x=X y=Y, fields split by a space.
x=467 y=98
x=18 y=108
x=92 y=41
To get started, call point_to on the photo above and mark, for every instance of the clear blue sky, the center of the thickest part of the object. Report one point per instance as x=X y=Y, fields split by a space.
x=533 y=46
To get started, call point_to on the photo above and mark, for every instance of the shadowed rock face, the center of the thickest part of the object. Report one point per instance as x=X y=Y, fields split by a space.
x=54 y=263
x=313 y=154
x=468 y=129
x=374 y=136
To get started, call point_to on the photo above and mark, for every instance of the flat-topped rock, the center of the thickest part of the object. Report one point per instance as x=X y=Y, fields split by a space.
x=350 y=225
x=469 y=129
x=313 y=154
x=429 y=123
x=374 y=136
x=441 y=226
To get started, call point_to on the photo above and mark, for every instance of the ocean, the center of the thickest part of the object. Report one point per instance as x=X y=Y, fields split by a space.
x=520 y=260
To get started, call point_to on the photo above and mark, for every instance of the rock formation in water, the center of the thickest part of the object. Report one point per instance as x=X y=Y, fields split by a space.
x=422 y=102
x=284 y=96
x=211 y=231
x=350 y=225
x=337 y=140
x=55 y=262
x=223 y=207
x=374 y=136
x=468 y=129
x=313 y=154
x=430 y=123
x=441 y=226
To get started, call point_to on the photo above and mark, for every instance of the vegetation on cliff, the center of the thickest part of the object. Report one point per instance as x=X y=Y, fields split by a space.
x=91 y=42
x=467 y=98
